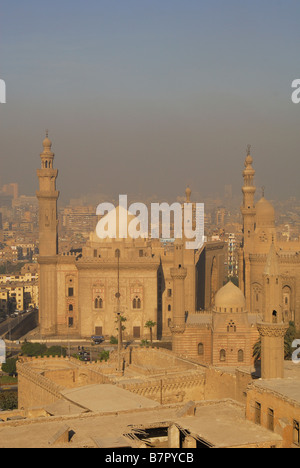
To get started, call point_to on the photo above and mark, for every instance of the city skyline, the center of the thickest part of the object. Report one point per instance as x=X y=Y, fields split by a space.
x=149 y=97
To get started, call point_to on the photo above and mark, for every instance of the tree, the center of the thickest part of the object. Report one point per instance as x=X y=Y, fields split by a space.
x=288 y=340
x=8 y=401
x=10 y=367
x=33 y=349
x=56 y=351
x=150 y=324
x=121 y=319
x=257 y=351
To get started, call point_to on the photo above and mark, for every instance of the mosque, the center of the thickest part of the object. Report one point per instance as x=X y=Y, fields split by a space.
x=180 y=290
x=81 y=294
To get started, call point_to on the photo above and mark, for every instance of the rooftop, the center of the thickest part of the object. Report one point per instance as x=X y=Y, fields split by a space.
x=219 y=424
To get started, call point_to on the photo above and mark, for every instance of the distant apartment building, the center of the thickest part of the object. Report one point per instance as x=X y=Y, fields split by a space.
x=19 y=292
x=21 y=296
x=232 y=256
x=27 y=277
x=81 y=219
x=4 y=297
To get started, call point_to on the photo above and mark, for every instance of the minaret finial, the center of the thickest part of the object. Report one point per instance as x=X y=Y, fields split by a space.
x=248 y=150
x=47 y=133
x=188 y=193
x=263 y=191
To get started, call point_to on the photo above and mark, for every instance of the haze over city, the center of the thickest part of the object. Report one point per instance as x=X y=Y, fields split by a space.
x=147 y=97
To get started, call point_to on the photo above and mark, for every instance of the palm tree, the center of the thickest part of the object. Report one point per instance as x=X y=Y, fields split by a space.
x=257 y=351
x=121 y=319
x=288 y=340
x=150 y=324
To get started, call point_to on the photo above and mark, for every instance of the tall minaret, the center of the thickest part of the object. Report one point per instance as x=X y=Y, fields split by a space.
x=248 y=211
x=272 y=329
x=47 y=196
x=178 y=274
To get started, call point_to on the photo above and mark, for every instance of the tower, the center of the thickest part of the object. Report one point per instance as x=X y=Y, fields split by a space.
x=178 y=274
x=47 y=196
x=248 y=212
x=189 y=255
x=272 y=329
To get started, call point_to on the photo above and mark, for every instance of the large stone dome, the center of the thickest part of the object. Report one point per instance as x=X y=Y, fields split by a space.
x=230 y=299
x=265 y=213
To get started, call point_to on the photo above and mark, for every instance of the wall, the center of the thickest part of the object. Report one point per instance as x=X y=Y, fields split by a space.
x=285 y=412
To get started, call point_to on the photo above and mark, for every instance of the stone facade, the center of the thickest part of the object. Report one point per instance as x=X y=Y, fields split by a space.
x=259 y=234
x=78 y=291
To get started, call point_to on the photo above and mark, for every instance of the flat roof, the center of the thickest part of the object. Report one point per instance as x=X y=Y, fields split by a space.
x=223 y=424
x=288 y=387
x=220 y=423
x=106 y=398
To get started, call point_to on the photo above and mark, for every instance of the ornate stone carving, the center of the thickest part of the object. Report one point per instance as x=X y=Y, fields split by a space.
x=272 y=329
x=178 y=273
x=177 y=329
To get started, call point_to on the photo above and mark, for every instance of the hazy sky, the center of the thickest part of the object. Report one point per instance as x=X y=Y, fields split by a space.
x=148 y=96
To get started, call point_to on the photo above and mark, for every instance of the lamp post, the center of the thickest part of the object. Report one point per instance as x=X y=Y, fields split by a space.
x=118 y=295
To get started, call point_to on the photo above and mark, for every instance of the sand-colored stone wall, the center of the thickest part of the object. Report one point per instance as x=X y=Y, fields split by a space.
x=285 y=412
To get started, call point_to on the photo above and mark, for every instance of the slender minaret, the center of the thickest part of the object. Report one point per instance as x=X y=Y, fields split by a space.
x=248 y=211
x=272 y=329
x=47 y=196
x=189 y=257
x=178 y=274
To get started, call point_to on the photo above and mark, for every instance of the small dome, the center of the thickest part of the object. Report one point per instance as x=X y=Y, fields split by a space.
x=230 y=299
x=265 y=213
x=47 y=143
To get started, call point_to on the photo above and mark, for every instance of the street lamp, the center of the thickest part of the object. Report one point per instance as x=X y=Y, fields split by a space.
x=118 y=296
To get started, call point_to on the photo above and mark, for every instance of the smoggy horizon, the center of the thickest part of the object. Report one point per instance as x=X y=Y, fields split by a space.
x=147 y=98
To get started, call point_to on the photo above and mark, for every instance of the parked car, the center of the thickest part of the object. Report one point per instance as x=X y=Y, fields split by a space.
x=85 y=356
x=98 y=339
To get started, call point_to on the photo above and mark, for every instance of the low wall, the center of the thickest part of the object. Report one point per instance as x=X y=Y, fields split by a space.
x=221 y=384
x=171 y=390
x=42 y=386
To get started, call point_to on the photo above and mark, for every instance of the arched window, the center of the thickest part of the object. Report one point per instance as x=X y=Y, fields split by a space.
x=71 y=308
x=136 y=303
x=240 y=355
x=222 y=355
x=231 y=327
x=98 y=303
x=200 y=349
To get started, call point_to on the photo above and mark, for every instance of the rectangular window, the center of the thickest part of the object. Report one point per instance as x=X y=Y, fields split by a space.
x=169 y=292
x=71 y=322
x=71 y=292
x=257 y=413
x=296 y=434
x=270 y=419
